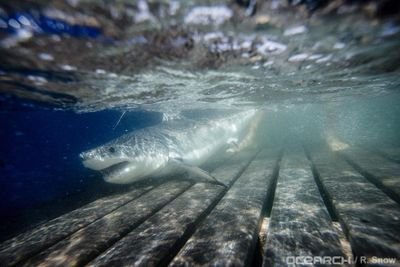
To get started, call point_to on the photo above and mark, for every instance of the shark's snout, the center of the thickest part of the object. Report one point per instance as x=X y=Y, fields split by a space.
x=98 y=161
x=85 y=155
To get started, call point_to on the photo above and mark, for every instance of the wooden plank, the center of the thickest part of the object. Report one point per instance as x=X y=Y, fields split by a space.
x=300 y=224
x=160 y=236
x=390 y=153
x=227 y=237
x=45 y=235
x=370 y=219
x=87 y=243
x=383 y=173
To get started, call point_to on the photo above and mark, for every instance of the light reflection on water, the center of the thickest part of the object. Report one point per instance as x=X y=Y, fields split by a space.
x=269 y=60
x=320 y=78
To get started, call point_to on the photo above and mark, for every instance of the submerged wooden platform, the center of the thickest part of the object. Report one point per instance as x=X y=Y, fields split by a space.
x=276 y=207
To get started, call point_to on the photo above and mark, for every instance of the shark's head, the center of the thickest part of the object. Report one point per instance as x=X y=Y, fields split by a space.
x=105 y=156
x=123 y=162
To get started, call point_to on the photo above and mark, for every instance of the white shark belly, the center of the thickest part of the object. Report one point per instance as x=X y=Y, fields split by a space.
x=133 y=172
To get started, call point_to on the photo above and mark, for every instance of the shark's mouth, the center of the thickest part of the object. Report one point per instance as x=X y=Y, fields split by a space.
x=115 y=168
x=98 y=164
x=119 y=173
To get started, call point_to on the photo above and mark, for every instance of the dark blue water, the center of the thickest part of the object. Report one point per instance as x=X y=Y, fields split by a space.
x=42 y=24
x=40 y=143
x=40 y=146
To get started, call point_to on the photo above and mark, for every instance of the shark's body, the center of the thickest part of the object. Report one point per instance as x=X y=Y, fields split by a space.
x=169 y=147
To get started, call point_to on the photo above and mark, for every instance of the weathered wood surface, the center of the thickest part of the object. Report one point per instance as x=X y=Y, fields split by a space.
x=33 y=241
x=300 y=224
x=380 y=171
x=390 y=153
x=227 y=237
x=182 y=224
x=156 y=240
x=87 y=243
x=370 y=219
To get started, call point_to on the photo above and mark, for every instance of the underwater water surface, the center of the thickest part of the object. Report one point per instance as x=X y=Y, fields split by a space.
x=77 y=74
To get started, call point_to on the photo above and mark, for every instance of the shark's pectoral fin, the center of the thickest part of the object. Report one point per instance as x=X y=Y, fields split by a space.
x=194 y=171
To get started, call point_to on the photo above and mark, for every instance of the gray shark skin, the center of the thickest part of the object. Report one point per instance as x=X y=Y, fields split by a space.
x=170 y=147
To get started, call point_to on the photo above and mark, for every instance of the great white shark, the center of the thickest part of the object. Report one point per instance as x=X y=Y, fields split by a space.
x=172 y=147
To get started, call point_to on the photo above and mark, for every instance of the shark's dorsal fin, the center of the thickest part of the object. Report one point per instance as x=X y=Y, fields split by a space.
x=194 y=171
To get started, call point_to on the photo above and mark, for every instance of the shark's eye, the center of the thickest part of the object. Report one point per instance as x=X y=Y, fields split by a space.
x=111 y=149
